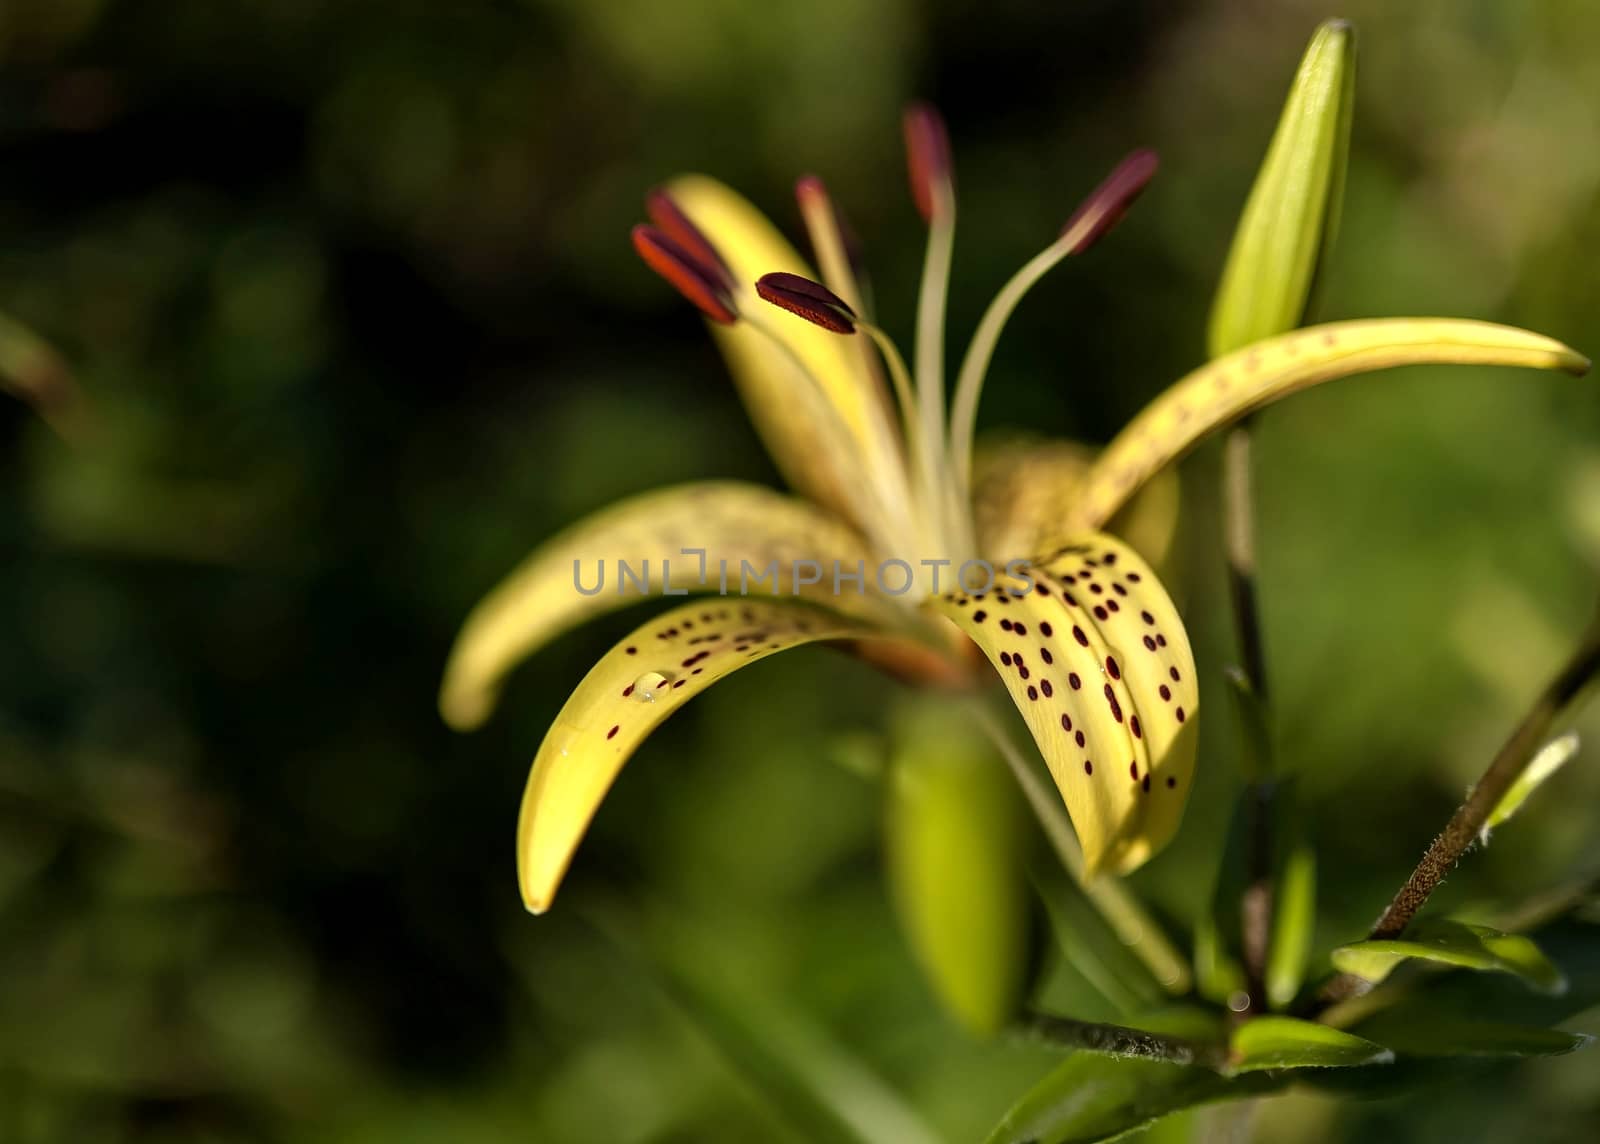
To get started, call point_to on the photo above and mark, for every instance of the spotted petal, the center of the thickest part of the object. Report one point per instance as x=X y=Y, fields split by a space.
x=858 y=472
x=1097 y=660
x=630 y=692
x=730 y=521
x=1218 y=394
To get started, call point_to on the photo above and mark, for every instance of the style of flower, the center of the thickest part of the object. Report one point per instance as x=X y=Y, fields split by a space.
x=1087 y=641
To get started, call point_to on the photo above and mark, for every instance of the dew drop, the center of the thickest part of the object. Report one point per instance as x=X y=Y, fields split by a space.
x=649 y=685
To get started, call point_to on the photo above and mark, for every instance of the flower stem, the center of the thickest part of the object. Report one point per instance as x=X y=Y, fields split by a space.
x=1117 y=1040
x=1465 y=825
x=1121 y=910
x=1238 y=514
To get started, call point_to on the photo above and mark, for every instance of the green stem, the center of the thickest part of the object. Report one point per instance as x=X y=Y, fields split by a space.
x=1117 y=1040
x=1256 y=904
x=1466 y=824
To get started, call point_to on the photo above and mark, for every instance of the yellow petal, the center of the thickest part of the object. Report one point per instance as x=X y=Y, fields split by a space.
x=1026 y=488
x=845 y=472
x=631 y=691
x=1096 y=658
x=732 y=522
x=1218 y=394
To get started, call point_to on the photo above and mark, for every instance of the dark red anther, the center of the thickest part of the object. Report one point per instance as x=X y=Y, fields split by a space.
x=665 y=212
x=700 y=284
x=1106 y=205
x=928 y=158
x=812 y=195
x=810 y=300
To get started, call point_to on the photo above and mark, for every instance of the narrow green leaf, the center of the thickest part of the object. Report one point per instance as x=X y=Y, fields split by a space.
x=1440 y=1035
x=1089 y=946
x=1289 y=1043
x=954 y=829
x=1455 y=944
x=827 y=1092
x=1294 y=900
x=1292 y=214
x=1550 y=759
x=1088 y=1097
x=1256 y=756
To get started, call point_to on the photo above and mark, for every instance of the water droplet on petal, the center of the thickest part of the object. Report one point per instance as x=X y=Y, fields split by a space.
x=649 y=685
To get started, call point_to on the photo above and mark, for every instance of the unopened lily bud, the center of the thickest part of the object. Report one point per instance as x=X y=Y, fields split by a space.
x=1289 y=222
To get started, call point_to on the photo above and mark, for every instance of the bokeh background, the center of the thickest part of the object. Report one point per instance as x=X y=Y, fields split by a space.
x=350 y=287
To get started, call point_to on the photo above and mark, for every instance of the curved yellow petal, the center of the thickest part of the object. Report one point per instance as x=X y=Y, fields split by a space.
x=1218 y=394
x=1097 y=659
x=730 y=521
x=630 y=692
x=847 y=455
x=1025 y=489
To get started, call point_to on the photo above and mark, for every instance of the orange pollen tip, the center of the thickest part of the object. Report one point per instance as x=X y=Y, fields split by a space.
x=927 y=158
x=1108 y=202
x=807 y=299
x=698 y=283
x=668 y=216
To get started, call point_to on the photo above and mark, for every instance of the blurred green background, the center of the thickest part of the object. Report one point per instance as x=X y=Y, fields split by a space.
x=350 y=287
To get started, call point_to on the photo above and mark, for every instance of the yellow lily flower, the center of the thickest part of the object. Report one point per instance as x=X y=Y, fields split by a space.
x=895 y=548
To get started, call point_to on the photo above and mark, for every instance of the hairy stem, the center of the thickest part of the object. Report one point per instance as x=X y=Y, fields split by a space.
x=1117 y=1040
x=1467 y=822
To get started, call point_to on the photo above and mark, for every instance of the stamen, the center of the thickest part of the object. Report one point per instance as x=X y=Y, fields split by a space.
x=1108 y=202
x=810 y=300
x=933 y=188
x=837 y=250
x=701 y=285
x=1097 y=214
x=928 y=159
x=664 y=211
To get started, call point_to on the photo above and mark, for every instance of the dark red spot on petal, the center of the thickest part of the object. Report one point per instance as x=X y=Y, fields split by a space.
x=612 y=734
x=979 y=616
x=1047 y=687
x=1077 y=634
x=1074 y=681
x=1033 y=692
x=1005 y=658
x=1044 y=654
x=1088 y=766
x=1133 y=725
x=1079 y=738
x=1112 y=669
x=1180 y=714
